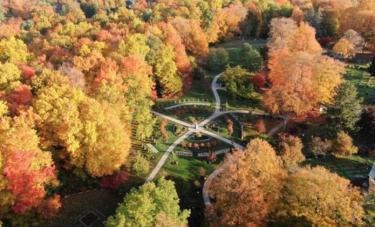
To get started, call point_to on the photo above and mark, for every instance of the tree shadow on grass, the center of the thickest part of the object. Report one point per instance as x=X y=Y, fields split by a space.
x=352 y=168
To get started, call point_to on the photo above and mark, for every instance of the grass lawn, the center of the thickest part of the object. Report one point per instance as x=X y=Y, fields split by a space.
x=365 y=83
x=187 y=169
x=257 y=43
x=351 y=167
x=189 y=185
x=233 y=103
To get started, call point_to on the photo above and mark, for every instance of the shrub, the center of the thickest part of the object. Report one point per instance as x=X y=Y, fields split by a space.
x=343 y=144
x=217 y=59
x=250 y=58
x=319 y=146
x=141 y=166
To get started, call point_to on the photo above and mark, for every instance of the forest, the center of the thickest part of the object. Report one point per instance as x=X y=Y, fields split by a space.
x=168 y=113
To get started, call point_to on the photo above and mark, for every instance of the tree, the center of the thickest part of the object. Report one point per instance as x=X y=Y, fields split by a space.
x=343 y=144
x=238 y=82
x=161 y=57
x=13 y=50
x=367 y=123
x=140 y=165
x=217 y=59
x=248 y=187
x=350 y=44
x=250 y=58
x=138 y=85
x=372 y=67
x=300 y=82
x=86 y=130
x=192 y=35
x=135 y=44
x=285 y=34
x=311 y=189
x=344 y=48
x=145 y=206
x=347 y=109
x=290 y=149
x=26 y=171
x=183 y=64
x=320 y=146
x=10 y=77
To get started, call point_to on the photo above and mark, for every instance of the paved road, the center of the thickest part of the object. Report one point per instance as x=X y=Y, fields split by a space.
x=173 y=119
x=165 y=156
x=188 y=104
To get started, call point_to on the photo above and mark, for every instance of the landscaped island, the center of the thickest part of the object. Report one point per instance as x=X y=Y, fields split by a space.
x=187 y=113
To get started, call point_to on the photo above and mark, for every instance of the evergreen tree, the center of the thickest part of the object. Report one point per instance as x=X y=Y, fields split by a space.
x=347 y=109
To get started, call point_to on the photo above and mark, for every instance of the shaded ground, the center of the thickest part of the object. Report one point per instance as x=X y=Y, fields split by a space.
x=189 y=184
x=352 y=167
x=257 y=43
x=75 y=206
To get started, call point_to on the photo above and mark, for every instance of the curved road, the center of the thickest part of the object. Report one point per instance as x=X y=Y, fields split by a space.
x=192 y=129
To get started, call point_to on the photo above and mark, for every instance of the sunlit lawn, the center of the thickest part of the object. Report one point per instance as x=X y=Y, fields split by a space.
x=364 y=82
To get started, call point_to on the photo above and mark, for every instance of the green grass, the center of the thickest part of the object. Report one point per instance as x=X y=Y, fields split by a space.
x=239 y=103
x=364 y=82
x=258 y=43
x=187 y=168
x=350 y=167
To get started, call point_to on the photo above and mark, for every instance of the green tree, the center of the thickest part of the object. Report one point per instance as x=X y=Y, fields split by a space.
x=217 y=59
x=250 y=58
x=238 y=82
x=346 y=111
x=144 y=206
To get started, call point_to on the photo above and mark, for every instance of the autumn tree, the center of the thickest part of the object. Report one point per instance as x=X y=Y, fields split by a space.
x=350 y=44
x=192 y=35
x=300 y=82
x=248 y=187
x=290 y=149
x=13 y=50
x=24 y=165
x=344 y=48
x=285 y=34
x=161 y=57
x=84 y=129
x=320 y=147
x=135 y=44
x=343 y=144
x=346 y=111
x=138 y=85
x=172 y=37
x=145 y=206
x=311 y=189
x=10 y=76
